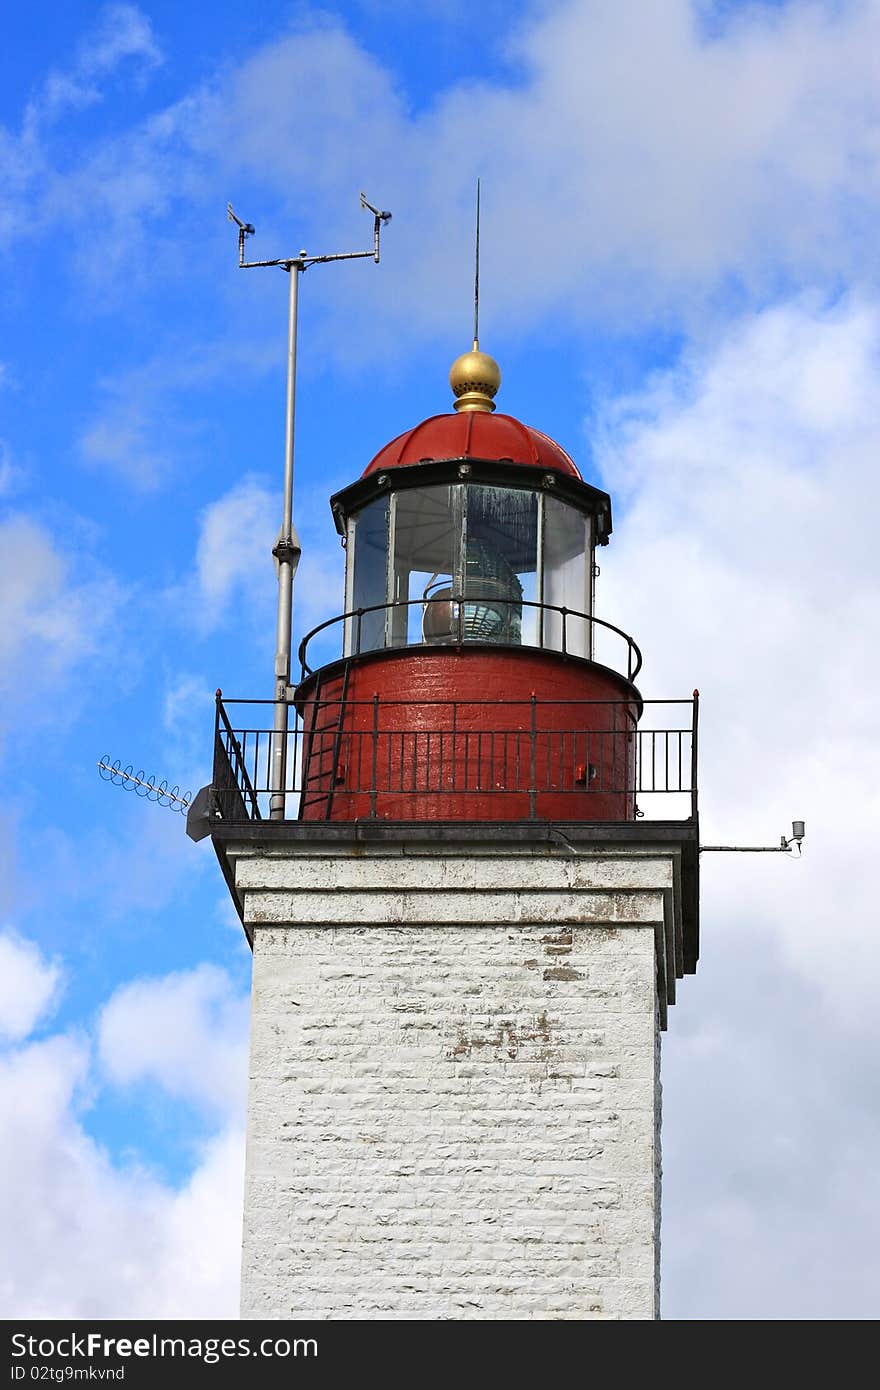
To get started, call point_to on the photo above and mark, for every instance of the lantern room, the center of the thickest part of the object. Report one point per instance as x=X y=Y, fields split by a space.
x=467 y=686
x=482 y=537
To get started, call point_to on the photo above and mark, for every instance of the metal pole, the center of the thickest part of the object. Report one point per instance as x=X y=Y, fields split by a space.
x=286 y=551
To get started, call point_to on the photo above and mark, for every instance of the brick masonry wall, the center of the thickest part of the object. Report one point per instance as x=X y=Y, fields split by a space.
x=448 y=1119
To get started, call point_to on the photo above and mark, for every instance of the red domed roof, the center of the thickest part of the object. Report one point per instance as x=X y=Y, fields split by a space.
x=473 y=434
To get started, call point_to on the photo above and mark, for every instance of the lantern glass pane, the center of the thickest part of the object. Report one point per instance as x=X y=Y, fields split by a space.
x=500 y=565
x=566 y=577
x=368 y=587
x=426 y=549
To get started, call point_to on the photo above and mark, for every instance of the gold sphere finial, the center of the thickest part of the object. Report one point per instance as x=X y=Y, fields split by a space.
x=474 y=378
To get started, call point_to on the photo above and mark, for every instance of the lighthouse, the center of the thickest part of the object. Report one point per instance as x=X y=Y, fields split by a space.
x=469 y=919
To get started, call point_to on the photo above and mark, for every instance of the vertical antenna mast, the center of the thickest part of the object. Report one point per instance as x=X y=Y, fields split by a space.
x=477 y=276
x=286 y=550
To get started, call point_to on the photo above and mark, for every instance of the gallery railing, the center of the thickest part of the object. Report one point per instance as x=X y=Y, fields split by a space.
x=373 y=753
x=461 y=621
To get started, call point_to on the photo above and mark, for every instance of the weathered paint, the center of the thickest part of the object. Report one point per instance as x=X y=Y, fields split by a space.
x=399 y=731
x=454 y=1103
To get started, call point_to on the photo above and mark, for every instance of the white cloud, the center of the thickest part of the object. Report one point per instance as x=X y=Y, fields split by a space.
x=122 y=32
x=747 y=553
x=624 y=199
x=187 y=701
x=164 y=1031
x=233 y=556
x=747 y=493
x=51 y=618
x=121 y=441
x=121 y=35
x=138 y=430
x=771 y=1125
x=28 y=986
x=11 y=475
x=642 y=159
x=88 y=1236
x=233 y=564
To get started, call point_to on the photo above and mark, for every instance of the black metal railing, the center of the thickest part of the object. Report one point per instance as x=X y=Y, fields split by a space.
x=351 y=759
x=557 y=629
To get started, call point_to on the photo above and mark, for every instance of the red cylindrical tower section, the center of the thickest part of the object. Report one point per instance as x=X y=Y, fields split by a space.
x=485 y=735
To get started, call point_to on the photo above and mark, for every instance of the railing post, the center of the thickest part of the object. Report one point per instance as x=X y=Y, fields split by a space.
x=533 y=733
x=694 y=737
x=360 y=618
x=564 y=612
x=215 y=771
x=374 y=772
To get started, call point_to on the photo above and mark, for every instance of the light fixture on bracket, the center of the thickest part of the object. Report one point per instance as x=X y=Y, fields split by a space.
x=784 y=847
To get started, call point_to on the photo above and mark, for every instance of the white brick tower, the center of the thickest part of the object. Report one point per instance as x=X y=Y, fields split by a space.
x=466 y=931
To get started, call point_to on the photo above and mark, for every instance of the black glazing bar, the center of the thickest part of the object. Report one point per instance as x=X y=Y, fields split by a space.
x=375 y=755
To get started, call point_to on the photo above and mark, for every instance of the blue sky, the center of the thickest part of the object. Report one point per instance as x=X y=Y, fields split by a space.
x=679 y=281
